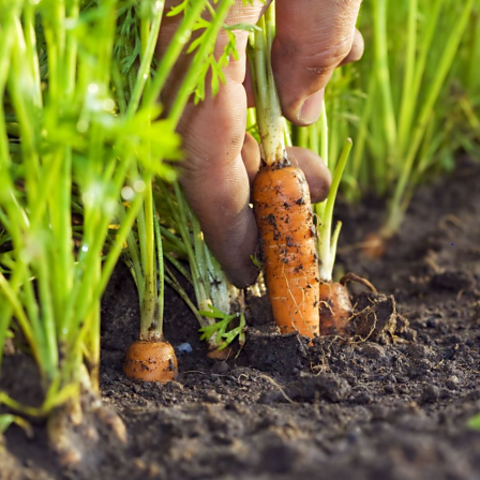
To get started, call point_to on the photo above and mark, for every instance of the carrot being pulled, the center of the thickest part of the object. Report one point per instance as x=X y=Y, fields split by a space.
x=283 y=211
x=282 y=206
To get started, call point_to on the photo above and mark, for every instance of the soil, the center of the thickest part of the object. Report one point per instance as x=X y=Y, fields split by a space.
x=393 y=403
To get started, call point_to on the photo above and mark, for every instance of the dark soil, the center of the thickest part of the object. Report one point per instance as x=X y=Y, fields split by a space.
x=393 y=406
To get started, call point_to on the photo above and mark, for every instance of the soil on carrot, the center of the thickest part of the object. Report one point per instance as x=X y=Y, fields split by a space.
x=393 y=403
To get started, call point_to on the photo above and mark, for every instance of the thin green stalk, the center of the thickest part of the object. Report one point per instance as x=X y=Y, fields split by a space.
x=270 y=123
x=161 y=274
x=407 y=98
x=179 y=267
x=149 y=42
x=412 y=90
x=325 y=154
x=71 y=51
x=31 y=47
x=22 y=319
x=361 y=136
x=148 y=323
x=204 y=50
x=117 y=247
x=473 y=82
x=327 y=243
x=382 y=71
x=172 y=282
x=179 y=40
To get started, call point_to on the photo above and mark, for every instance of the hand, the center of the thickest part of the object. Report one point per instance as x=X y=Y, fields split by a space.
x=313 y=38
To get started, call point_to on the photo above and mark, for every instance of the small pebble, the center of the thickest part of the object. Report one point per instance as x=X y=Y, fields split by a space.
x=430 y=394
x=220 y=367
x=184 y=348
x=452 y=382
x=363 y=399
x=372 y=350
x=211 y=396
x=433 y=322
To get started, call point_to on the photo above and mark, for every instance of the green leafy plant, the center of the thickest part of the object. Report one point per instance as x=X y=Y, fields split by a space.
x=80 y=128
x=184 y=241
x=396 y=102
x=59 y=133
x=220 y=330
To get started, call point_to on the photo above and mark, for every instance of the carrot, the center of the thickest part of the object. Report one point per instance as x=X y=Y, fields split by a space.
x=151 y=361
x=335 y=308
x=281 y=202
x=151 y=358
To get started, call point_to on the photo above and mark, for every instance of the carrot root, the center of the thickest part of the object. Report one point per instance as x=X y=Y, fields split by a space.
x=282 y=206
x=151 y=361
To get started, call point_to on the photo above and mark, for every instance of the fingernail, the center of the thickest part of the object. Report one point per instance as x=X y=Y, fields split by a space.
x=311 y=108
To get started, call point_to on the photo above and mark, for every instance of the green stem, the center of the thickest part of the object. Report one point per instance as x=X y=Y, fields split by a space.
x=147 y=56
x=269 y=113
x=149 y=327
x=204 y=50
x=161 y=274
x=327 y=243
x=407 y=97
x=177 y=43
x=382 y=71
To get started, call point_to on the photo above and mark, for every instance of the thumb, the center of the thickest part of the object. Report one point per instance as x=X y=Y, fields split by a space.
x=313 y=38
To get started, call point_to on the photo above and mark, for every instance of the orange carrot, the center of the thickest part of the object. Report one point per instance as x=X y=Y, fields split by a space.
x=151 y=361
x=281 y=201
x=335 y=308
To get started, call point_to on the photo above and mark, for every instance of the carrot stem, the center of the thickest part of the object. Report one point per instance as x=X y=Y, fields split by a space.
x=327 y=241
x=270 y=121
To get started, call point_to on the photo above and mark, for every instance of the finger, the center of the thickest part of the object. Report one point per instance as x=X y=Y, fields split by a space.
x=216 y=182
x=247 y=83
x=356 y=52
x=312 y=40
x=214 y=177
x=316 y=172
x=251 y=157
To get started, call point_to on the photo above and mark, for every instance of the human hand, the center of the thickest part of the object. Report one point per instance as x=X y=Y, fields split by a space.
x=313 y=38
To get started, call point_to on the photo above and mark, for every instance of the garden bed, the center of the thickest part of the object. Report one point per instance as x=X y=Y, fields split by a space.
x=394 y=408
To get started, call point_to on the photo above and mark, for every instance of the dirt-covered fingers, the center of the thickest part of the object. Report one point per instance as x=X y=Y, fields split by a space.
x=214 y=176
x=313 y=38
x=316 y=172
x=215 y=180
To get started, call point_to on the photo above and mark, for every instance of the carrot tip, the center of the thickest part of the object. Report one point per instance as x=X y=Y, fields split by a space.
x=151 y=362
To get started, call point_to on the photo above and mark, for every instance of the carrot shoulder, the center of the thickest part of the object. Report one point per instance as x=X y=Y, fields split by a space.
x=281 y=201
x=151 y=361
